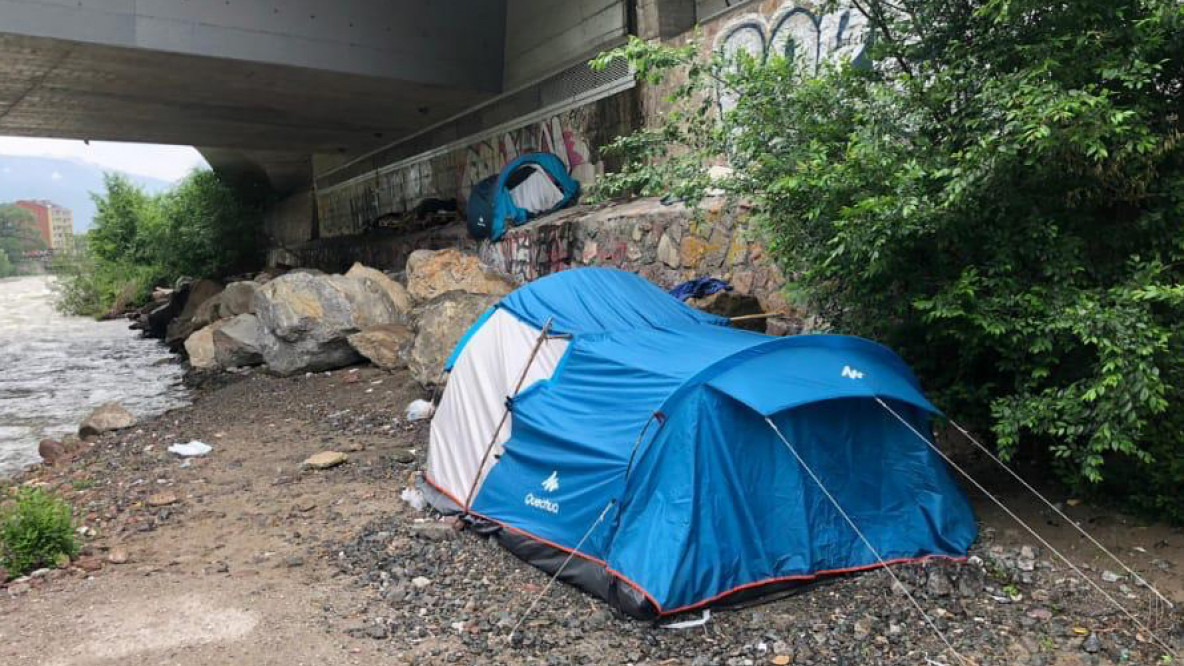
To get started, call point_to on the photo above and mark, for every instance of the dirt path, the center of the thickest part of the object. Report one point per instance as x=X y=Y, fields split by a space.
x=232 y=572
x=242 y=559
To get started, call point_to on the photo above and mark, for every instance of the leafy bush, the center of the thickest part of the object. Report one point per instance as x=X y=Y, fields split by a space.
x=204 y=228
x=999 y=196
x=96 y=289
x=6 y=267
x=201 y=228
x=18 y=234
x=36 y=530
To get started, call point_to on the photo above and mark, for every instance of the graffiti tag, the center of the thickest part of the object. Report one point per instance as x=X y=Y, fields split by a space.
x=797 y=34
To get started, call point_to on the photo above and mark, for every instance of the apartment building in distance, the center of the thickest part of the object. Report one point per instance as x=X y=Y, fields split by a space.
x=54 y=223
x=61 y=227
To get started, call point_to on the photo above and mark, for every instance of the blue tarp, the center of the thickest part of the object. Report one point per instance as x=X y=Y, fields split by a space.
x=710 y=500
x=699 y=288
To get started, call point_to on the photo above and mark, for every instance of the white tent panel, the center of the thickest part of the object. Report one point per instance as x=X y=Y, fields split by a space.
x=474 y=399
x=537 y=193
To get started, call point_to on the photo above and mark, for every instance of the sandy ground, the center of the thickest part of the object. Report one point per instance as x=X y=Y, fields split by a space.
x=241 y=569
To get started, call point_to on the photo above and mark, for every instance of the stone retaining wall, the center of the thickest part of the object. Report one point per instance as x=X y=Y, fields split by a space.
x=664 y=243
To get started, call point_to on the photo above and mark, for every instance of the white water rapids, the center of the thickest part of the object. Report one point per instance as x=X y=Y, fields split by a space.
x=54 y=370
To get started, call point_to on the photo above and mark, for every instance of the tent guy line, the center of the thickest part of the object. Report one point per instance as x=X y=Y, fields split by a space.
x=1133 y=618
x=1060 y=513
x=543 y=592
x=862 y=537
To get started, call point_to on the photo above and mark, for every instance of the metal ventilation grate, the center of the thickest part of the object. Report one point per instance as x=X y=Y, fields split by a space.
x=578 y=81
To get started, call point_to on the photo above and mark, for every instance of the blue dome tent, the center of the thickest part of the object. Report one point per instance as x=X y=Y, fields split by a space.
x=658 y=446
x=529 y=186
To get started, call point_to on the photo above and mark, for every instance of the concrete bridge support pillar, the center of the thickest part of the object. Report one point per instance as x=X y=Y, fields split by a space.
x=663 y=19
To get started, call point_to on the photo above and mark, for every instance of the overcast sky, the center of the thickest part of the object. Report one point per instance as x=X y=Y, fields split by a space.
x=164 y=162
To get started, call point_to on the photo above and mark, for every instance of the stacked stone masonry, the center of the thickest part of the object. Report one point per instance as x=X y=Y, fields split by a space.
x=666 y=244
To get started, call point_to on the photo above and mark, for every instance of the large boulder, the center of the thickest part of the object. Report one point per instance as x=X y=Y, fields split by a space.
x=385 y=345
x=308 y=319
x=199 y=347
x=159 y=318
x=108 y=417
x=442 y=321
x=238 y=341
x=228 y=343
x=432 y=273
x=206 y=314
x=183 y=326
x=238 y=298
x=369 y=302
x=166 y=306
x=395 y=291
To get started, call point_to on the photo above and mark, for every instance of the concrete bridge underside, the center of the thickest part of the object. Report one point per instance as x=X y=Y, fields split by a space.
x=257 y=86
x=282 y=91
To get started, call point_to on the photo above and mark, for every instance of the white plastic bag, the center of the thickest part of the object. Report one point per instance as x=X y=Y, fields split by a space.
x=690 y=624
x=419 y=409
x=415 y=498
x=192 y=449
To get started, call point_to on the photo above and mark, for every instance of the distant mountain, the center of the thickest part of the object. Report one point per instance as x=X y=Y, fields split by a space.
x=65 y=182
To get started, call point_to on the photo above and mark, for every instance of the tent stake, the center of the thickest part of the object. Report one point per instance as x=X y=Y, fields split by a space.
x=538 y=344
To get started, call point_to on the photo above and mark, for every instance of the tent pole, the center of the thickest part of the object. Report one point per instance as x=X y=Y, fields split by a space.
x=1114 y=602
x=538 y=345
x=1060 y=513
x=868 y=544
x=436 y=388
x=762 y=315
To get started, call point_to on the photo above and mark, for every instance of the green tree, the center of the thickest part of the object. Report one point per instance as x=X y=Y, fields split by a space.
x=200 y=228
x=999 y=196
x=18 y=235
x=123 y=214
x=6 y=267
x=205 y=228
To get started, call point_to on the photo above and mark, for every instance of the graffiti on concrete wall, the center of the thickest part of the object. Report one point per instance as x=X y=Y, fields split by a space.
x=561 y=134
x=797 y=33
x=364 y=204
x=531 y=254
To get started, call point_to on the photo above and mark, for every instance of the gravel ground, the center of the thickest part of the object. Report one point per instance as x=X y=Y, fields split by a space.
x=454 y=597
x=331 y=567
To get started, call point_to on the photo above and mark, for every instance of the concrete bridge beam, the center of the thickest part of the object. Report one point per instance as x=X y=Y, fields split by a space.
x=457 y=43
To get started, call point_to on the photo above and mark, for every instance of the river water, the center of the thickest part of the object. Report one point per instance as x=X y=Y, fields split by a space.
x=54 y=370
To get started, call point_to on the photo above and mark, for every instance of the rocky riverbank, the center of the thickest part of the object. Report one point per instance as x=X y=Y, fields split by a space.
x=248 y=555
x=304 y=320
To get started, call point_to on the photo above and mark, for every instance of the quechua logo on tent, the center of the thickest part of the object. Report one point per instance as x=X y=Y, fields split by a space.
x=549 y=484
x=851 y=373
